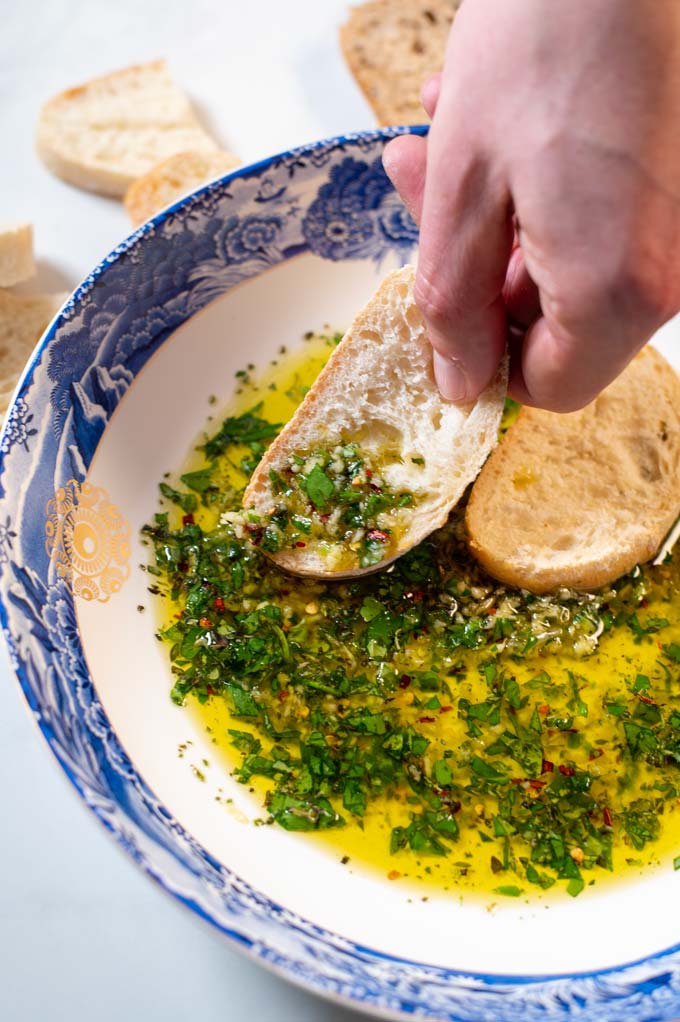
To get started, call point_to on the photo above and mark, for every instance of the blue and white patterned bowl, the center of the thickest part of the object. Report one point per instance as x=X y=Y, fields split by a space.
x=113 y=397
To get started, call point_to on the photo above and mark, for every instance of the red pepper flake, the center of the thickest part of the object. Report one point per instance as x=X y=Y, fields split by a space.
x=210 y=690
x=205 y=622
x=426 y=720
x=547 y=767
x=188 y=519
x=516 y=780
x=300 y=543
x=492 y=610
x=646 y=699
x=596 y=753
x=644 y=602
x=566 y=770
x=369 y=473
x=378 y=536
x=374 y=488
x=219 y=605
x=607 y=817
x=324 y=518
x=536 y=784
x=283 y=694
x=183 y=566
x=544 y=709
x=405 y=681
x=445 y=709
x=393 y=874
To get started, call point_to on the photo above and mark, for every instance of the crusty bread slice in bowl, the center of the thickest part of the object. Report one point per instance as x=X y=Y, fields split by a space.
x=577 y=500
x=377 y=392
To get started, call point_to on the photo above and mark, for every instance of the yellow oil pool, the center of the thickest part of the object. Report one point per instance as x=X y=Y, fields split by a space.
x=425 y=723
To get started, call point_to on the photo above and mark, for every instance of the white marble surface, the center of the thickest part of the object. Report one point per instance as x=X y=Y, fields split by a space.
x=83 y=933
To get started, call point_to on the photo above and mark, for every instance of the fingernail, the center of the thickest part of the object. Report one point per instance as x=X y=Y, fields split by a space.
x=450 y=378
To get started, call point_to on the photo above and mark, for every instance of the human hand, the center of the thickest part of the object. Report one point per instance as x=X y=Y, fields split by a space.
x=564 y=121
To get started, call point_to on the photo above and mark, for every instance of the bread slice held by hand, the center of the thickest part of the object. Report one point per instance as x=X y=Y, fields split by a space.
x=378 y=392
x=173 y=178
x=578 y=500
x=22 y=321
x=16 y=254
x=392 y=47
x=106 y=133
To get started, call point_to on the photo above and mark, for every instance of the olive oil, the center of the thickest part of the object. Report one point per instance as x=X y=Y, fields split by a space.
x=521 y=745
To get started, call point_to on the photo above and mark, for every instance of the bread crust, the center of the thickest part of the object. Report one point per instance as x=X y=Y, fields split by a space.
x=22 y=321
x=578 y=500
x=104 y=134
x=173 y=178
x=378 y=387
x=392 y=47
x=16 y=254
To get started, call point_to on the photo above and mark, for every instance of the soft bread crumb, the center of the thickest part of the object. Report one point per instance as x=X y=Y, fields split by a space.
x=16 y=254
x=577 y=500
x=22 y=321
x=392 y=47
x=173 y=178
x=378 y=390
x=106 y=133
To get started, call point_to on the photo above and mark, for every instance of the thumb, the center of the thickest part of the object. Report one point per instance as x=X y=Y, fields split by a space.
x=465 y=244
x=404 y=160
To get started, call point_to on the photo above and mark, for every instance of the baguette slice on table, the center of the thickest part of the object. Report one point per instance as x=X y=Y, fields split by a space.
x=170 y=179
x=22 y=321
x=579 y=499
x=392 y=47
x=106 y=133
x=378 y=388
x=16 y=254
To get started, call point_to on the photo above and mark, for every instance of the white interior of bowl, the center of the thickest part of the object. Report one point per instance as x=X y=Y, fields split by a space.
x=150 y=433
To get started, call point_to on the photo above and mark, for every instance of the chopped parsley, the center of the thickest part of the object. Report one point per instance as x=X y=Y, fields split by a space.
x=336 y=501
x=463 y=705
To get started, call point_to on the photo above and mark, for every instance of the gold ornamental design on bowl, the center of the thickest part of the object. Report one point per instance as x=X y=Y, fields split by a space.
x=87 y=540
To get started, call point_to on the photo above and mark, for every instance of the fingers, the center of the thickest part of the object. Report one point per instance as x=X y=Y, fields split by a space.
x=560 y=374
x=603 y=293
x=592 y=324
x=404 y=160
x=465 y=244
x=485 y=247
x=520 y=293
x=565 y=364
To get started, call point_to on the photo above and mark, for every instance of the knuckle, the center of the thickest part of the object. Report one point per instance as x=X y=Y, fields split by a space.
x=436 y=302
x=640 y=291
x=629 y=293
x=430 y=298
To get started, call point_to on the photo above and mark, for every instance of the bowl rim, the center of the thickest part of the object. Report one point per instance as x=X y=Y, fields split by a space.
x=622 y=975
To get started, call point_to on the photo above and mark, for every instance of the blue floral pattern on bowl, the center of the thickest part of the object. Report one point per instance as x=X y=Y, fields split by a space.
x=333 y=199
